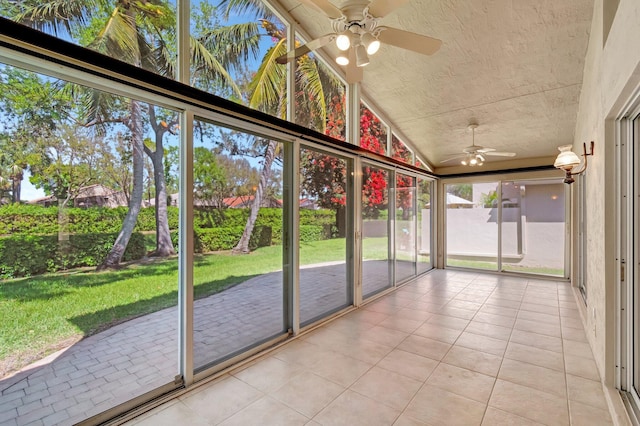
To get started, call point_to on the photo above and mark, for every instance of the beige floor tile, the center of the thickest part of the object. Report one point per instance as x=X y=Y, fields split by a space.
x=538 y=327
x=545 y=300
x=471 y=359
x=436 y=406
x=414 y=314
x=387 y=387
x=534 y=376
x=586 y=391
x=543 y=309
x=490 y=330
x=569 y=312
x=269 y=412
x=530 y=403
x=464 y=304
x=349 y=327
x=536 y=356
x=340 y=368
x=537 y=316
x=383 y=308
x=438 y=332
x=575 y=348
x=495 y=417
x=461 y=381
x=583 y=367
x=367 y=316
x=174 y=414
x=408 y=364
x=574 y=334
x=401 y=324
x=352 y=408
x=405 y=420
x=421 y=305
x=503 y=321
x=466 y=314
x=482 y=343
x=326 y=339
x=539 y=341
x=586 y=415
x=365 y=350
x=504 y=302
x=384 y=336
x=268 y=374
x=449 y=321
x=308 y=393
x=425 y=347
x=230 y=395
x=572 y=323
x=498 y=310
x=300 y=352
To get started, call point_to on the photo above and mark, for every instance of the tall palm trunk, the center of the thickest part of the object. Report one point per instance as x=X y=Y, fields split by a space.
x=243 y=244
x=164 y=246
x=117 y=251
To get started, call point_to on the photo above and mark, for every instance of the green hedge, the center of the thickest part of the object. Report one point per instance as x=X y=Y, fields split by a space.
x=26 y=255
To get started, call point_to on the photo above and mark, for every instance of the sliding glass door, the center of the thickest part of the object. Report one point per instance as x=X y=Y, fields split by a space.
x=514 y=226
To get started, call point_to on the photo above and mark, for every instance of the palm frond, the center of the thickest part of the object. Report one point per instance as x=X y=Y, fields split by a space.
x=119 y=38
x=200 y=55
x=257 y=8
x=52 y=16
x=267 y=86
x=310 y=81
x=234 y=43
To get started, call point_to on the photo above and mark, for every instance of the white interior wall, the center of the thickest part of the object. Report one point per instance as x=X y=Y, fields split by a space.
x=612 y=73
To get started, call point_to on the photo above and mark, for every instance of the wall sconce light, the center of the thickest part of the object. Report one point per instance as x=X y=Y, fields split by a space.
x=570 y=162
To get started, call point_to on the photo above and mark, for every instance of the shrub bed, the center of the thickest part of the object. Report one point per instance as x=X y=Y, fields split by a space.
x=26 y=255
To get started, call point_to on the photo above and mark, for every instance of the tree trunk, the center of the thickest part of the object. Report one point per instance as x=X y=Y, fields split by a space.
x=243 y=244
x=164 y=246
x=114 y=257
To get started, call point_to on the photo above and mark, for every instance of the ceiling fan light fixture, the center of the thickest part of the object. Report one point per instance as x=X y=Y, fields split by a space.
x=342 y=60
x=343 y=41
x=370 y=42
x=362 y=59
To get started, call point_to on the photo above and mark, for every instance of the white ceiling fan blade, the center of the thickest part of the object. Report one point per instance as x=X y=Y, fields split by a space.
x=354 y=73
x=306 y=48
x=410 y=41
x=485 y=150
x=455 y=157
x=500 y=154
x=324 y=6
x=380 y=8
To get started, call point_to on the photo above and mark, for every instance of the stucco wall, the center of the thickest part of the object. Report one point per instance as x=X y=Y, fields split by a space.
x=611 y=74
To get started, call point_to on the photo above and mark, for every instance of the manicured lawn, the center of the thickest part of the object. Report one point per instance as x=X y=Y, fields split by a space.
x=44 y=313
x=492 y=266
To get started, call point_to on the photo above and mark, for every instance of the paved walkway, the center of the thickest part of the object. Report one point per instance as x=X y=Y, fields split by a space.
x=140 y=355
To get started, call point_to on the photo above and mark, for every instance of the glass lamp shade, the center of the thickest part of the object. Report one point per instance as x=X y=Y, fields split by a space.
x=343 y=42
x=342 y=60
x=567 y=159
x=371 y=43
x=362 y=59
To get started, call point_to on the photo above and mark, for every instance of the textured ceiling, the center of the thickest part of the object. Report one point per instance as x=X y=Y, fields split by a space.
x=514 y=65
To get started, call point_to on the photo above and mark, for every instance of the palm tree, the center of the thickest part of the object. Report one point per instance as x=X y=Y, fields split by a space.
x=267 y=92
x=140 y=34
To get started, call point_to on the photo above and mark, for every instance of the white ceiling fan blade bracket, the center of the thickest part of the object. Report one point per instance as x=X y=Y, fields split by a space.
x=340 y=24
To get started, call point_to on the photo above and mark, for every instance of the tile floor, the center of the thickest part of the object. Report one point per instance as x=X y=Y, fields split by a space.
x=452 y=348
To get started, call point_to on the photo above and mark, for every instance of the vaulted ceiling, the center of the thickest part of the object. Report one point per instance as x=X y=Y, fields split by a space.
x=515 y=66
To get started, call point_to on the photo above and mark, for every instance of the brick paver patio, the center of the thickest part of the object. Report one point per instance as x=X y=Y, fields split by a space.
x=127 y=360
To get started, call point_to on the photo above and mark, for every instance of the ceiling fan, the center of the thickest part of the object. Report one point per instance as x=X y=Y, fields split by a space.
x=475 y=155
x=357 y=34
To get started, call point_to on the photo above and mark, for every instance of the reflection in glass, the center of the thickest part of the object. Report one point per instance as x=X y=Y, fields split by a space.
x=533 y=223
x=376 y=258
x=405 y=224
x=400 y=151
x=324 y=283
x=237 y=209
x=472 y=225
x=423 y=213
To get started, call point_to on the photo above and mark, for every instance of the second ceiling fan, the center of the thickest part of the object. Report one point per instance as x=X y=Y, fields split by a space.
x=357 y=34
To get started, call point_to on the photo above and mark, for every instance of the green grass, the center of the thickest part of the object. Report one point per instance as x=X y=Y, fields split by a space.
x=43 y=313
